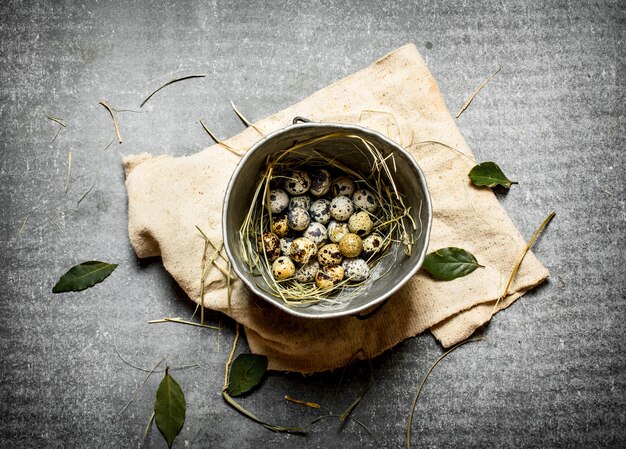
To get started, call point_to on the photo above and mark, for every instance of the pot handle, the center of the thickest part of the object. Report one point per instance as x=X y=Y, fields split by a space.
x=299 y=119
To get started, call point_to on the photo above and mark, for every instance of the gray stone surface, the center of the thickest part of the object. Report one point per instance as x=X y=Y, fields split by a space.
x=552 y=373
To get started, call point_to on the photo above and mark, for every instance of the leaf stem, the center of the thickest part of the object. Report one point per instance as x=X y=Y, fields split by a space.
x=344 y=416
x=21 y=230
x=145 y=433
x=419 y=391
x=57 y=134
x=69 y=171
x=238 y=407
x=117 y=129
x=57 y=120
x=445 y=145
x=141 y=386
x=301 y=402
x=258 y=420
x=232 y=353
x=181 y=321
x=90 y=188
x=473 y=95
x=219 y=142
x=245 y=120
x=521 y=258
x=175 y=80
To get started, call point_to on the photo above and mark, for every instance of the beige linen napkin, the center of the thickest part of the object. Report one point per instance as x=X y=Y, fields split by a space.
x=397 y=95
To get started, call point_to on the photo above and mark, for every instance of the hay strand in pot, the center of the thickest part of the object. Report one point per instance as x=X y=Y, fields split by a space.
x=393 y=221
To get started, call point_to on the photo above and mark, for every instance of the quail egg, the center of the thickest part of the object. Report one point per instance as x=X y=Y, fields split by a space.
x=298 y=182
x=316 y=232
x=320 y=182
x=279 y=201
x=269 y=244
x=307 y=272
x=329 y=254
x=343 y=185
x=360 y=223
x=356 y=269
x=302 y=250
x=280 y=225
x=285 y=245
x=329 y=276
x=300 y=201
x=341 y=208
x=320 y=211
x=336 y=230
x=365 y=200
x=283 y=268
x=298 y=219
x=371 y=245
x=351 y=245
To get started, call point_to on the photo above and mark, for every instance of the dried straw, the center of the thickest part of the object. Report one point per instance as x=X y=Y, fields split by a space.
x=394 y=221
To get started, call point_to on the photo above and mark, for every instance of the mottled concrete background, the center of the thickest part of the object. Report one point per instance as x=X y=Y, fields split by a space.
x=552 y=373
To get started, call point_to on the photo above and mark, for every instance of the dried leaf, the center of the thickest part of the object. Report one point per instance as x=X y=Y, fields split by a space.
x=490 y=175
x=84 y=275
x=450 y=263
x=246 y=373
x=169 y=408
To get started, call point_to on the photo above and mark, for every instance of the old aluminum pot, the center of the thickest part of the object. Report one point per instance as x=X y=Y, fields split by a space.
x=409 y=180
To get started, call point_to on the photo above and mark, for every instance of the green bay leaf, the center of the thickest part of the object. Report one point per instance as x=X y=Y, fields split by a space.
x=490 y=175
x=84 y=275
x=450 y=263
x=169 y=408
x=246 y=373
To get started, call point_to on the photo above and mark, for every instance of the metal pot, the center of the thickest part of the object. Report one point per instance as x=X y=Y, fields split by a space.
x=409 y=180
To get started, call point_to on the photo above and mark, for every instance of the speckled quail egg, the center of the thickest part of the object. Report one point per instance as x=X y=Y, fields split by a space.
x=320 y=182
x=298 y=219
x=329 y=276
x=285 y=245
x=351 y=245
x=300 y=201
x=371 y=245
x=316 y=232
x=320 y=211
x=279 y=201
x=365 y=200
x=280 y=225
x=283 y=268
x=336 y=230
x=356 y=269
x=329 y=254
x=341 y=208
x=302 y=250
x=298 y=182
x=343 y=185
x=360 y=223
x=307 y=272
x=270 y=244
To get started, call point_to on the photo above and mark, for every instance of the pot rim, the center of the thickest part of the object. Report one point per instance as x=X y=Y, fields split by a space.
x=295 y=311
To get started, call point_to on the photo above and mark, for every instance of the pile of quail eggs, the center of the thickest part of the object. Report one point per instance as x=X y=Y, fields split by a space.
x=321 y=229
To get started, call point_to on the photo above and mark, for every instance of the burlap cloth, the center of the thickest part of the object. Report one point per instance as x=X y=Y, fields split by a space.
x=397 y=95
